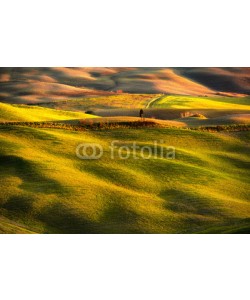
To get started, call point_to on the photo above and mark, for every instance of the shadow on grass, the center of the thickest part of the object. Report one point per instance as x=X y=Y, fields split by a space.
x=186 y=202
x=62 y=219
x=19 y=204
x=118 y=218
x=66 y=220
x=28 y=173
x=241 y=226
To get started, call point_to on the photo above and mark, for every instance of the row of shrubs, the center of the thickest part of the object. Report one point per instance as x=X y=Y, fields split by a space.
x=188 y=114
x=217 y=128
x=40 y=125
x=114 y=125
x=133 y=125
x=85 y=125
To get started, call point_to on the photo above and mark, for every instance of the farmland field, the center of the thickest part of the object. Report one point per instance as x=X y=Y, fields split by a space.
x=19 y=113
x=203 y=188
x=46 y=188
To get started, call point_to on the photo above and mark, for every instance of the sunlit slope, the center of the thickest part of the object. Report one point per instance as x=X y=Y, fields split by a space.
x=46 y=188
x=190 y=102
x=128 y=101
x=27 y=113
x=217 y=110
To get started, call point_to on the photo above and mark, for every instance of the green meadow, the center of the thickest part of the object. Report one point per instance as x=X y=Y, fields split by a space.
x=46 y=188
x=26 y=113
x=129 y=101
x=192 y=102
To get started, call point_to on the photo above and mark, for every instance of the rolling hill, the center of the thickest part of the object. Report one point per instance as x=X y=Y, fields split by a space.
x=25 y=113
x=46 y=188
x=216 y=110
x=34 y=85
x=46 y=113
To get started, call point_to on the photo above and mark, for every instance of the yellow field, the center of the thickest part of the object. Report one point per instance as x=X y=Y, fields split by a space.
x=24 y=113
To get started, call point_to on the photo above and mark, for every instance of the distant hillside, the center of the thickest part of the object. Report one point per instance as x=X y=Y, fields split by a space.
x=33 y=85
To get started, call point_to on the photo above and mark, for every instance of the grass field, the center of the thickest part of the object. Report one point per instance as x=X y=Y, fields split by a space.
x=191 y=102
x=215 y=110
x=135 y=101
x=46 y=188
x=129 y=101
x=25 y=113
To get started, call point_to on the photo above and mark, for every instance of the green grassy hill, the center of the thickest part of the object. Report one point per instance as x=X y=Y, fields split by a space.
x=136 y=101
x=25 y=113
x=191 y=102
x=46 y=188
x=124 y=101
x=216 y=110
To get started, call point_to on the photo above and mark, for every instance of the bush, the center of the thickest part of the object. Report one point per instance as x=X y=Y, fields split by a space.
x=188 y=114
